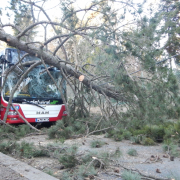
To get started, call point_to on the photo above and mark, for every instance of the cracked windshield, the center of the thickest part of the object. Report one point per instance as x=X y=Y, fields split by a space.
x=37 y=85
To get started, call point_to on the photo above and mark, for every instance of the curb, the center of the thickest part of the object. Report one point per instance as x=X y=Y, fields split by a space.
x=23 y=169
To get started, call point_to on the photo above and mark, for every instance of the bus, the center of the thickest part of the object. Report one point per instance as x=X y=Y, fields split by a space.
x=37 y=98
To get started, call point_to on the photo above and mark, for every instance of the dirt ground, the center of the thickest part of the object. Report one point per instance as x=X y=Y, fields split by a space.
x=151 y=161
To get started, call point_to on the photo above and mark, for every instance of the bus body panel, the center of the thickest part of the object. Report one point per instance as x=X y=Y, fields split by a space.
x=31 y=111
x=25 y=109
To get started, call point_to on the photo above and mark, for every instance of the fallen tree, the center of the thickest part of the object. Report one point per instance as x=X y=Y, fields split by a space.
x=117 y=66
x=57 y=62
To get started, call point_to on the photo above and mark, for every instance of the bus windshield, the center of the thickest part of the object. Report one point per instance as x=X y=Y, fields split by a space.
x=37 y=85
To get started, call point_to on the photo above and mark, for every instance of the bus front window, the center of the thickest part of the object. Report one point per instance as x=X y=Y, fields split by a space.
x=35 y=85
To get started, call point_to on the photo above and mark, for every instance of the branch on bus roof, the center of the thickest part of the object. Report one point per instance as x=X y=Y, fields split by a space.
x=54 y=61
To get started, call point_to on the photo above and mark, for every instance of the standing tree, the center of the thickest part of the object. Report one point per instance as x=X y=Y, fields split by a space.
x=169 y=14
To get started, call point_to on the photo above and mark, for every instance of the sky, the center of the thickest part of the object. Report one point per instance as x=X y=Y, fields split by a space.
x=51 y=7
x=53 y=10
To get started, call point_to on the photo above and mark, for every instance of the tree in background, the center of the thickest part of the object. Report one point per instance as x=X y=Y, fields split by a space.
x=23 y=17
x=170 y=29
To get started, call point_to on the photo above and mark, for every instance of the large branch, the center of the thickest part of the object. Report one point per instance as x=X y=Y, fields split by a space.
x=54 y=61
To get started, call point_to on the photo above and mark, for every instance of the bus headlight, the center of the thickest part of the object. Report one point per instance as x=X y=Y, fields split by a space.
x=12 y=113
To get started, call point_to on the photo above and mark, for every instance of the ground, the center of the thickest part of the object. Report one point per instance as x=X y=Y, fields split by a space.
x=150 y=161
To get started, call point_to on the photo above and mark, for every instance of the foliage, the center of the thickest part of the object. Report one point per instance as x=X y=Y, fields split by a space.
x=22 y=16
x=91 y=171
x=158 y=133
x=122 y=68
x=22 y=130
x=171 y=148
x=14 y=132
x=127 y=135
x=28 y=150
x=7 y=147
x=124 y=65
x=59 y=131
x=117 y=153
x=132 y=152
x=22 y=149
x=96 y=144
x=137 y=139
x=69 y=159
x=88 y=157
x=49 y=172
x=169 y=11
x=128 y=175
x=118 y=137
x=66 y=176
x=119 y=134
x=80 y=173
x=70 y=126
x=148 y=142
x=88 y=163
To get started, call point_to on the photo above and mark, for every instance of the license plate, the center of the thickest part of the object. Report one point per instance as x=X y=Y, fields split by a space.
x=42 y=120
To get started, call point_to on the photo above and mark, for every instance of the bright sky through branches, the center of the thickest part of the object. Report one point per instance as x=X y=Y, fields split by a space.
x=54 y=11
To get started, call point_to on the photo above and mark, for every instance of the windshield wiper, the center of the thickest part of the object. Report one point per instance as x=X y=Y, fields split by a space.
x=28 y=102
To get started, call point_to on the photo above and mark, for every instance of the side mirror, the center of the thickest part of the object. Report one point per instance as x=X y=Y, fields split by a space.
x=2 y=59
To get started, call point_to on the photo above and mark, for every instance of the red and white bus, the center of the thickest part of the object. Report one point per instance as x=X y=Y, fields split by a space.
x=37 y=98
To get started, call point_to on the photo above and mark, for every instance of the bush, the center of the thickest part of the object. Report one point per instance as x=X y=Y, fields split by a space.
x=132 y=152
x=70 y=126
x=117 y=153
x=8 y=147
x=22 y=130
x=80 y=173
x=148 y=142
x=69 y=159
x=136 y=132
x=119 y=134
x=24 y=149
x=172 y=131
x=83 y=171
x=172 y=148
x=118 y=137
x=128 y=175
x=111 y=133
x=28 y=150
x=97 y=144
x=14 y=132
x=55 y=130
x=88 y=157
x=137 y=139
x=157 y=133
x=127 y=135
